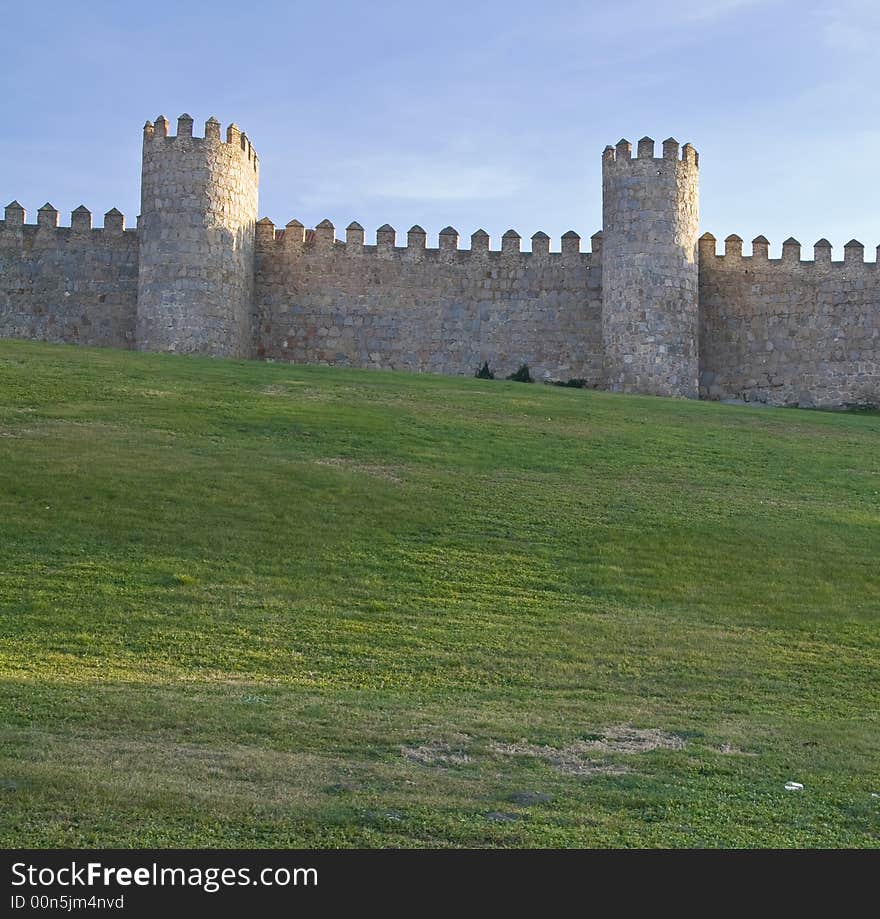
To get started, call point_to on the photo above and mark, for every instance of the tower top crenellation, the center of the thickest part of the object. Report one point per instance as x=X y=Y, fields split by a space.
x=157 y=132
x=621 y=152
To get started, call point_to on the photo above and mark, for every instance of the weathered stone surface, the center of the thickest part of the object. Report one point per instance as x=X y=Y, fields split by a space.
x=790 y=332
x=197 y=229
x=386 y=308
x=651 y=309
x=68 y=285
x=649 y=270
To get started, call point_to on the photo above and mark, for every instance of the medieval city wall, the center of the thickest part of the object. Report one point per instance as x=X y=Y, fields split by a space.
x=786 y=331
x=440 y=310
x=648 y=310
x=196 y=228
x=70 y=284
x=650 y=219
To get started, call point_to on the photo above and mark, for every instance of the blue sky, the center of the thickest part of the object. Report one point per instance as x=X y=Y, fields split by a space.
x=485 y=114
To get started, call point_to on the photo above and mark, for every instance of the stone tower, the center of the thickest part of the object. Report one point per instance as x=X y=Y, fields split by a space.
x=196 y=229
x=649 y=269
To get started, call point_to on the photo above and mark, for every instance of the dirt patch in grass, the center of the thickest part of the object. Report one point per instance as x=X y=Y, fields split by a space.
x=729 y=750
x=571 y=760
x=586 y=756
x=622 y=738
x=437 y=753
x=381 y=472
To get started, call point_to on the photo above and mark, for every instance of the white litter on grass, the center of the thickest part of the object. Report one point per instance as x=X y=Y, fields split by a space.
x=794 y=786
x=874 y=794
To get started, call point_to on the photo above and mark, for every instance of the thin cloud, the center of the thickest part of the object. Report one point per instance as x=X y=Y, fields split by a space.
x=414 y=179
x=852 y=26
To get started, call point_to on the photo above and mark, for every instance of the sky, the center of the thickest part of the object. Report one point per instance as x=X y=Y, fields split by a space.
x=485 y=114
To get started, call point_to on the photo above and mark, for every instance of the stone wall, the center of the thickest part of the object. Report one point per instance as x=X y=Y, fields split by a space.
x=198 y=213
x=440 y=310
x=68 y=284
x=650 y=314
x=649 y=310
x=786 y=331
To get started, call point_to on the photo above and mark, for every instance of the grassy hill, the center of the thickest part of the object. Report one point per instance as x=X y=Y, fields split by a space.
x=247 y=604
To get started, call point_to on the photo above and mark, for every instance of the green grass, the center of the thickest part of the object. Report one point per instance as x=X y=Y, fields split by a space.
x=247 y=604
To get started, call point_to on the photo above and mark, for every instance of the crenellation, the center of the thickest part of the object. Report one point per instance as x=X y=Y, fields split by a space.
x=386 y=237
x=81 y=220
x=480 y=243
x=733 y=247
x=114 y=222
x=47 y=217
x=416 y=240
x=791 y=251
x=707 y=246
x=652 y=308
x=853 y=253
x=448 y=240
x=325 y=235
x=760 y=248
x=14 y=215
x=184 y=126
x=265 y=233
x=822 y=253
x=354 y=238
x=670 y=149
x=510 y=243
x=294 y=236
x=571 y=243
x=646 y=148
x=540 y=244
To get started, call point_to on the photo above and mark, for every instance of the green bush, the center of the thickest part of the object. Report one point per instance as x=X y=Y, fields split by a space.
x=522 y=375
x=484 y=373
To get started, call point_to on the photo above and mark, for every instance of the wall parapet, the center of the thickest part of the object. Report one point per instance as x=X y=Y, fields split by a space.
x=733 y=258
x=15 y=219
x=294 y=235
x=157 y=133
x=621 y=152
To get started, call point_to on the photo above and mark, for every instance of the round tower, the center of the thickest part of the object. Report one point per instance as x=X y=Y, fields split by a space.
x=650 y=216
x=196 y=232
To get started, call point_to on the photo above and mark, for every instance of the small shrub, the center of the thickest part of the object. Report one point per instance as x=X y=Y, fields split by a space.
x=484 y=373
x=574 y=383
x=522 y=375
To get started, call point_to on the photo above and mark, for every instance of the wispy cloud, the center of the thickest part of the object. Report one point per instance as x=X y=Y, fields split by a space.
x=852 y=25
x=411 y=178
x=712 y=9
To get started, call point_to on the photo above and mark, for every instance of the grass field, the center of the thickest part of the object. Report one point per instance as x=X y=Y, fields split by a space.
x=247 y=604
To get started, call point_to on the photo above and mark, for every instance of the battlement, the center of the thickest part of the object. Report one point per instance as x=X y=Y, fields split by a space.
x=621 y=152
x=157 y=133
x=646 y=306
x=734 y=259
x=296 y=237
x=15 y=219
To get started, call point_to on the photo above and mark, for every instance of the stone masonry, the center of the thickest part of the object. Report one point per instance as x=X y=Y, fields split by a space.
x=650 y=298
x=197 y=223
x=651 y=309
